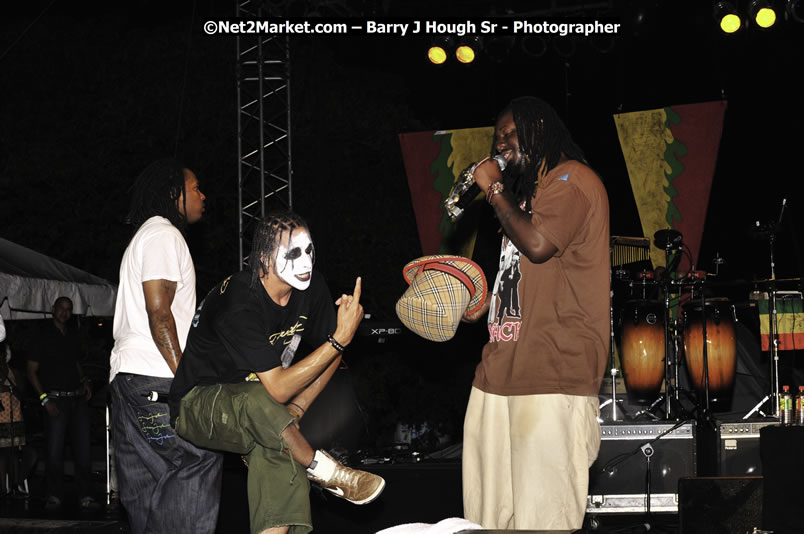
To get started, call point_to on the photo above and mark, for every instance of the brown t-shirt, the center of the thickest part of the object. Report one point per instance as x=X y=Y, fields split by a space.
x=549 y=328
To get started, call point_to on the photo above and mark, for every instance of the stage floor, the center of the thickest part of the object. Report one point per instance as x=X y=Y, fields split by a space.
x=416 y=493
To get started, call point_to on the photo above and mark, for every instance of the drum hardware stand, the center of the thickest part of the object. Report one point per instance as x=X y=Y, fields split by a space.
x=668 y=240
x=613 y=371
x=756 y=408
x=649 y=410
x=773 y=331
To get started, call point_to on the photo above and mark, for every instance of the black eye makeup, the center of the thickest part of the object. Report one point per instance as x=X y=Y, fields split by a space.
x=296 y=252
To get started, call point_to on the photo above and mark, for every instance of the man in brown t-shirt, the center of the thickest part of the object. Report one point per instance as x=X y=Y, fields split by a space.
x=531 y=430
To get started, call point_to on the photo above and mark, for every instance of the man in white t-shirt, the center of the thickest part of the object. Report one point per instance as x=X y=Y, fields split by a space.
x=166 y=483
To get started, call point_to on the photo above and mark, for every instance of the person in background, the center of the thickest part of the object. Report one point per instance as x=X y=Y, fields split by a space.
x=55 y=374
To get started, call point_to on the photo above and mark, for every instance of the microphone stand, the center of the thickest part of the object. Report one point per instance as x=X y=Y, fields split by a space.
x=773 y=329
x=613 y=372
x=705 y=353
x=773 y=332
x=667 y=351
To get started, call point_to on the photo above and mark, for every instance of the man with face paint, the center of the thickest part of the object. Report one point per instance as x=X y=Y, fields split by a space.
x=531 y=430
x=242 y=387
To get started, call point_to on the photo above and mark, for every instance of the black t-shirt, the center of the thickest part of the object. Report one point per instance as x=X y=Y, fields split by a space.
x=238 y=330
x=58 y=356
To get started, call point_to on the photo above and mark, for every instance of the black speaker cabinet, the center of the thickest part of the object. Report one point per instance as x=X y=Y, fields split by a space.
x=630 y=455
x=783 y=466
x=719 y=505
x=730 y=449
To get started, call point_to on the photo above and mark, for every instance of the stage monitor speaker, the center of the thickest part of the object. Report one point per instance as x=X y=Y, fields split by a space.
x=730 y=449
x=618 y=478
x=719 y=505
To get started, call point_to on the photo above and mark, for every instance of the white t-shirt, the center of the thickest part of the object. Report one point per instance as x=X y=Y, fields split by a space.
x=157 y=252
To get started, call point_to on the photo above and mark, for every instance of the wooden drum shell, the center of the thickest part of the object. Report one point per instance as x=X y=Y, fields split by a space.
x=721 y=348
x=642 y=348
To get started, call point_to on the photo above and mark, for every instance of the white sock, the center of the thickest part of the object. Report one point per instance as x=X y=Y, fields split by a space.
x=324 y=466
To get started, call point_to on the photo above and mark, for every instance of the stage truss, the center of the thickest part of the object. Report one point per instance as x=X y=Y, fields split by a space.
x=264 y=170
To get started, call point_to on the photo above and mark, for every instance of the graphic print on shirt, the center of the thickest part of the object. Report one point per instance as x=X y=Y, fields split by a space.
x=291 y=339
x=505 y=312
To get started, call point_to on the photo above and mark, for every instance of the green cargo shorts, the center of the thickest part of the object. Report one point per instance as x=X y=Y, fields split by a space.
x=243 y=419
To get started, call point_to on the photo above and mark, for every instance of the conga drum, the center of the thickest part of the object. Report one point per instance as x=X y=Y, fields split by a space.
x=642 y=349
x=721 y=348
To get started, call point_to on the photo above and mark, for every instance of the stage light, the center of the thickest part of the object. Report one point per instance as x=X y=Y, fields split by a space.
x=762 y=13
x=795 y=10
x=465 y=54
x=438 y=51
x=436 y=55
x=467 y=50
x=727 y=17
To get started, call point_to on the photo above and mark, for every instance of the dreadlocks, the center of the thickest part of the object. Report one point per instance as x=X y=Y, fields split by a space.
x=156 y=191
x=543 y=138
x=268 y=233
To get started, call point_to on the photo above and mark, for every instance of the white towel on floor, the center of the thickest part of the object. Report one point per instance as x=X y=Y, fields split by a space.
x=445 y=526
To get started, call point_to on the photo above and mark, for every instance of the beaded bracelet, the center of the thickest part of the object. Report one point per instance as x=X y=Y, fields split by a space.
x=44 y=399
x=338 y=346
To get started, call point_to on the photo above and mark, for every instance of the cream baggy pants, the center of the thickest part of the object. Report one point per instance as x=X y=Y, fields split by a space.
x=526 y=460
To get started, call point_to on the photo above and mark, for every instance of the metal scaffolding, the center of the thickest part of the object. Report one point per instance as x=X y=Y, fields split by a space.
x=264 y=173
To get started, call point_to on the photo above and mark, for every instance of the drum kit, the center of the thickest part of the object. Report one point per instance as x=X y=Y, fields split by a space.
x=677 y=342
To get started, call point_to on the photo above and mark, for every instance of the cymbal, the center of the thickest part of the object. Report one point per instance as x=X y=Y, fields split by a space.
x=743 y=282
x=769 y=280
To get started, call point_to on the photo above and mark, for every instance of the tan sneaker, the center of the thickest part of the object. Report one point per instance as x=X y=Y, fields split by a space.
x=357 y=487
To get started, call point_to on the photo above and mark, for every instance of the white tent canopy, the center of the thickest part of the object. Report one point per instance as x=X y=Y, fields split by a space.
x=30 y=282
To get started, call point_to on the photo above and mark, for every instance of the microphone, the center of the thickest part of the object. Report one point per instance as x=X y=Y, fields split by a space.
x=156 y=396
x=466 y=189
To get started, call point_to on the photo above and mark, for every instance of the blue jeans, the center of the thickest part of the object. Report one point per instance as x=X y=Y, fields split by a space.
x=73 y=419
x=167 y=484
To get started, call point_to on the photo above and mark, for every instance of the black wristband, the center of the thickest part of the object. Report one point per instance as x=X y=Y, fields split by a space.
x=338 y=346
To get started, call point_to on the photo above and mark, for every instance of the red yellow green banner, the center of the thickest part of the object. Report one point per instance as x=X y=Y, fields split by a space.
x=789 y=323
x=670 y=154
x=433 y=161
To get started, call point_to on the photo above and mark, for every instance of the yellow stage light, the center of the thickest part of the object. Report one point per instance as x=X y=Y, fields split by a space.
x=465 y=54
x=727 y=17
x=762 y=13
x=436 y=55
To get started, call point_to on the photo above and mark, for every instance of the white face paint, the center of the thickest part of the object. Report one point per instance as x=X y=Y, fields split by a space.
x=294 y=260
